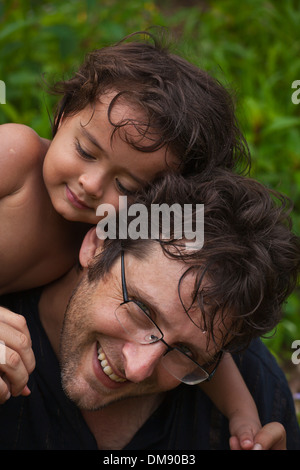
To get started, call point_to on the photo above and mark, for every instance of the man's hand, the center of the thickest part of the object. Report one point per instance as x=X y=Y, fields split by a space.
x=17 y=359
x=272 y=436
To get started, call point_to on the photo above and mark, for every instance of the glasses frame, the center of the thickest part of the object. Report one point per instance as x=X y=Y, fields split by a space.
x=126 y=299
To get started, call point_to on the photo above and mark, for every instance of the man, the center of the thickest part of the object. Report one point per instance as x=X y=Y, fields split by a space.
x=148 y=315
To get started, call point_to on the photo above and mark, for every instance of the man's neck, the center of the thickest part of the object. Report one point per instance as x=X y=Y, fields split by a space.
x=115 y=425
x=53 y=303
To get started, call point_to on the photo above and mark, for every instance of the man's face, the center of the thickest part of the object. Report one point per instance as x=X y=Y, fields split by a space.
x=125 y=368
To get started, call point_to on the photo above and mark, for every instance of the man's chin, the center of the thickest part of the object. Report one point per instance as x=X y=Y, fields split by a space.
x=82 y=395
x=87 y=398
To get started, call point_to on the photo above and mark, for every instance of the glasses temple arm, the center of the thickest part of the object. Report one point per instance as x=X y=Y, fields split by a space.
x=124 y=288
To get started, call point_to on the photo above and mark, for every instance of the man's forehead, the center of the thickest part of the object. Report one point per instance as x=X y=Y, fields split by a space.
x=157 y=264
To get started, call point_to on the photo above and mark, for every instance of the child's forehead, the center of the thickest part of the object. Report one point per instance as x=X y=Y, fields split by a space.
x=118 y=104
x=119 y=119
x=115 y=111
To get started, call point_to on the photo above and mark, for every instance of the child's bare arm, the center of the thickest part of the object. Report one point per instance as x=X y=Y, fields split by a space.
x=21 y=150
x=229 y=393
x=23 y=198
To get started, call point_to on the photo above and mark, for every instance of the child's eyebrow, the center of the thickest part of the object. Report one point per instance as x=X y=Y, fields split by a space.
x=93 y=140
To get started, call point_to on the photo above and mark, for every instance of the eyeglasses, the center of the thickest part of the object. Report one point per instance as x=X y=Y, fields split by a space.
x=138 y=324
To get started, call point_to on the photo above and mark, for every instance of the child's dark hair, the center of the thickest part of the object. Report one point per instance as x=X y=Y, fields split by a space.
x=183 y=107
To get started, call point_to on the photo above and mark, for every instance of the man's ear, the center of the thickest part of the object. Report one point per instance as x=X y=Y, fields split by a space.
x=90 y=246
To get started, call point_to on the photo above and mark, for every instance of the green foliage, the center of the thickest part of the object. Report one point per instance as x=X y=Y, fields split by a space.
x=251 y=46
x=46 y=41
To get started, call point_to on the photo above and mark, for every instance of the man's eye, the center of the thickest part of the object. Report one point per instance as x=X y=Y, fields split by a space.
x=144 y=308
x=185 y=350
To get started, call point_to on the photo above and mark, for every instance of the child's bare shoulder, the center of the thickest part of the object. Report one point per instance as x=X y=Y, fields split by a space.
x=22 y=151
x=21 y=143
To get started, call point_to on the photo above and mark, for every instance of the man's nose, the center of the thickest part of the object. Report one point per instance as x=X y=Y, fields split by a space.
x=141 y=359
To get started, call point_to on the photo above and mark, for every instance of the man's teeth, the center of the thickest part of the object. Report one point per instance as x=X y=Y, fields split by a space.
x=107 y=369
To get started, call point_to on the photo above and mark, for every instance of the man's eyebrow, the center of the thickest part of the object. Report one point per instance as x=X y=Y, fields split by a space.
x=94 y=141
x=203 y=357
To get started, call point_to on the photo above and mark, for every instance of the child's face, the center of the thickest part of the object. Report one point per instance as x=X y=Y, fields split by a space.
x=84 y=168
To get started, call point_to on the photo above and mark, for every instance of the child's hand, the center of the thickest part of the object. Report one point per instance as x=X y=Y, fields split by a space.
x=16 y=356
x=243 y=430
x=272 y=436
x=244 y=424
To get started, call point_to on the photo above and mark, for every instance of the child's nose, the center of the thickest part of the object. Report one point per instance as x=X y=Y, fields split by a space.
x=93 y=184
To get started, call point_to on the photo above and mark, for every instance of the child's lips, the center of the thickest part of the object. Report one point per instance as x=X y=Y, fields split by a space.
x=75 y=200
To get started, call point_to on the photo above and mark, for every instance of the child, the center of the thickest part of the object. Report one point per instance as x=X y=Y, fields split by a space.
x=131 y=113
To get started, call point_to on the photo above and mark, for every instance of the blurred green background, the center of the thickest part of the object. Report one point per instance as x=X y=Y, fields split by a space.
x=251 y=46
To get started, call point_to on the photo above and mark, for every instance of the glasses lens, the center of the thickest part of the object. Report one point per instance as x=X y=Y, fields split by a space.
x=137 y=324
x=183 y=368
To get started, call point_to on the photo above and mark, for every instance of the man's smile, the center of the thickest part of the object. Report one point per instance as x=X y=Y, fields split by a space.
x=107 y=368
x=104 y=371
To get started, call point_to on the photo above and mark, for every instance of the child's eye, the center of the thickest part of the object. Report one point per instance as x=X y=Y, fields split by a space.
x=83 y=153
x=123 y=190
